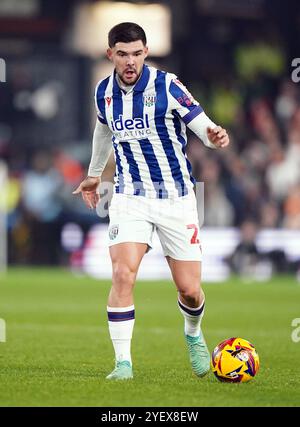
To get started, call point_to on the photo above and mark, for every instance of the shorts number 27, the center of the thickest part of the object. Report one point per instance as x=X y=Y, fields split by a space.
x=194 y=238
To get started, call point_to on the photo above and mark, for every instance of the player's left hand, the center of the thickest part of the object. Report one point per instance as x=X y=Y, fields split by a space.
x=218 y=136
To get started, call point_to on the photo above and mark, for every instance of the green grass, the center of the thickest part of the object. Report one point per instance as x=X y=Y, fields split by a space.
x=58 y=350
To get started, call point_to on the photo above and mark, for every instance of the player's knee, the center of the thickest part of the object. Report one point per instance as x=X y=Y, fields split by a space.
x=192 y=295
x=123 y=276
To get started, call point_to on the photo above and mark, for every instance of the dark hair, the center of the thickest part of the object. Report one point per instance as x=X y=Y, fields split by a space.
x=126 y=32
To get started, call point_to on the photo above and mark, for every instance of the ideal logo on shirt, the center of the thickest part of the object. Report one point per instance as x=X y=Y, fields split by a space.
x=130 y=124
x=131 y=128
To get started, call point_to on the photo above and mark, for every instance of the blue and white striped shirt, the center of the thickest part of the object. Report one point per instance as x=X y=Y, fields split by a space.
x=148 y=126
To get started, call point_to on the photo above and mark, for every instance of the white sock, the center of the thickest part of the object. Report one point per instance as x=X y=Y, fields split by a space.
x=120 y=325
x=192 y=318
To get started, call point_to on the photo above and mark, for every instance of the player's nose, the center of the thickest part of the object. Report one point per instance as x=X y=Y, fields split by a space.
x=130 y=60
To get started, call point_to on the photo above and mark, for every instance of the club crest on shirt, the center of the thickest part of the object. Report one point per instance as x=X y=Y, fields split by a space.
x=149 y=99
x=113 y=231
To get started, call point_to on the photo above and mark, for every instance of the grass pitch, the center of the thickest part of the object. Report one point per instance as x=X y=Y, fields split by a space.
x=58 y=350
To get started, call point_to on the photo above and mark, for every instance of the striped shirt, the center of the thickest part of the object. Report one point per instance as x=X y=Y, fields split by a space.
x=148 y=126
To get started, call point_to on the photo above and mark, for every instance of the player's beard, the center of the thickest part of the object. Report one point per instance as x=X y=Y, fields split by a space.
x=130 y=80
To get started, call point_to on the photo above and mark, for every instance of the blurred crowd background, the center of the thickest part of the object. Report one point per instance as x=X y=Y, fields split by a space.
x=235 y=57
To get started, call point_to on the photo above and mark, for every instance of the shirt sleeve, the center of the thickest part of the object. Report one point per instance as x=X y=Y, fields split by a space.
x=101 y=150
x=183 y=102
x=199 y=126
x=100 y=104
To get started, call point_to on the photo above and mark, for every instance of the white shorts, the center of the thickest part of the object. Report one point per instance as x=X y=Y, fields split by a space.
x=136 y=218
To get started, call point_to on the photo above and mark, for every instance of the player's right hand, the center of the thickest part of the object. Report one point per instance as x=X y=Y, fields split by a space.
x=89 y=191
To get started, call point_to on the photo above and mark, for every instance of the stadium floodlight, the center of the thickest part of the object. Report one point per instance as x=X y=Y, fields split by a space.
x=3 y=218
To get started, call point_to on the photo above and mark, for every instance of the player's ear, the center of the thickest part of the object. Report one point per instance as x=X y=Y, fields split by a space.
x=109 y=53
x=146 y=51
